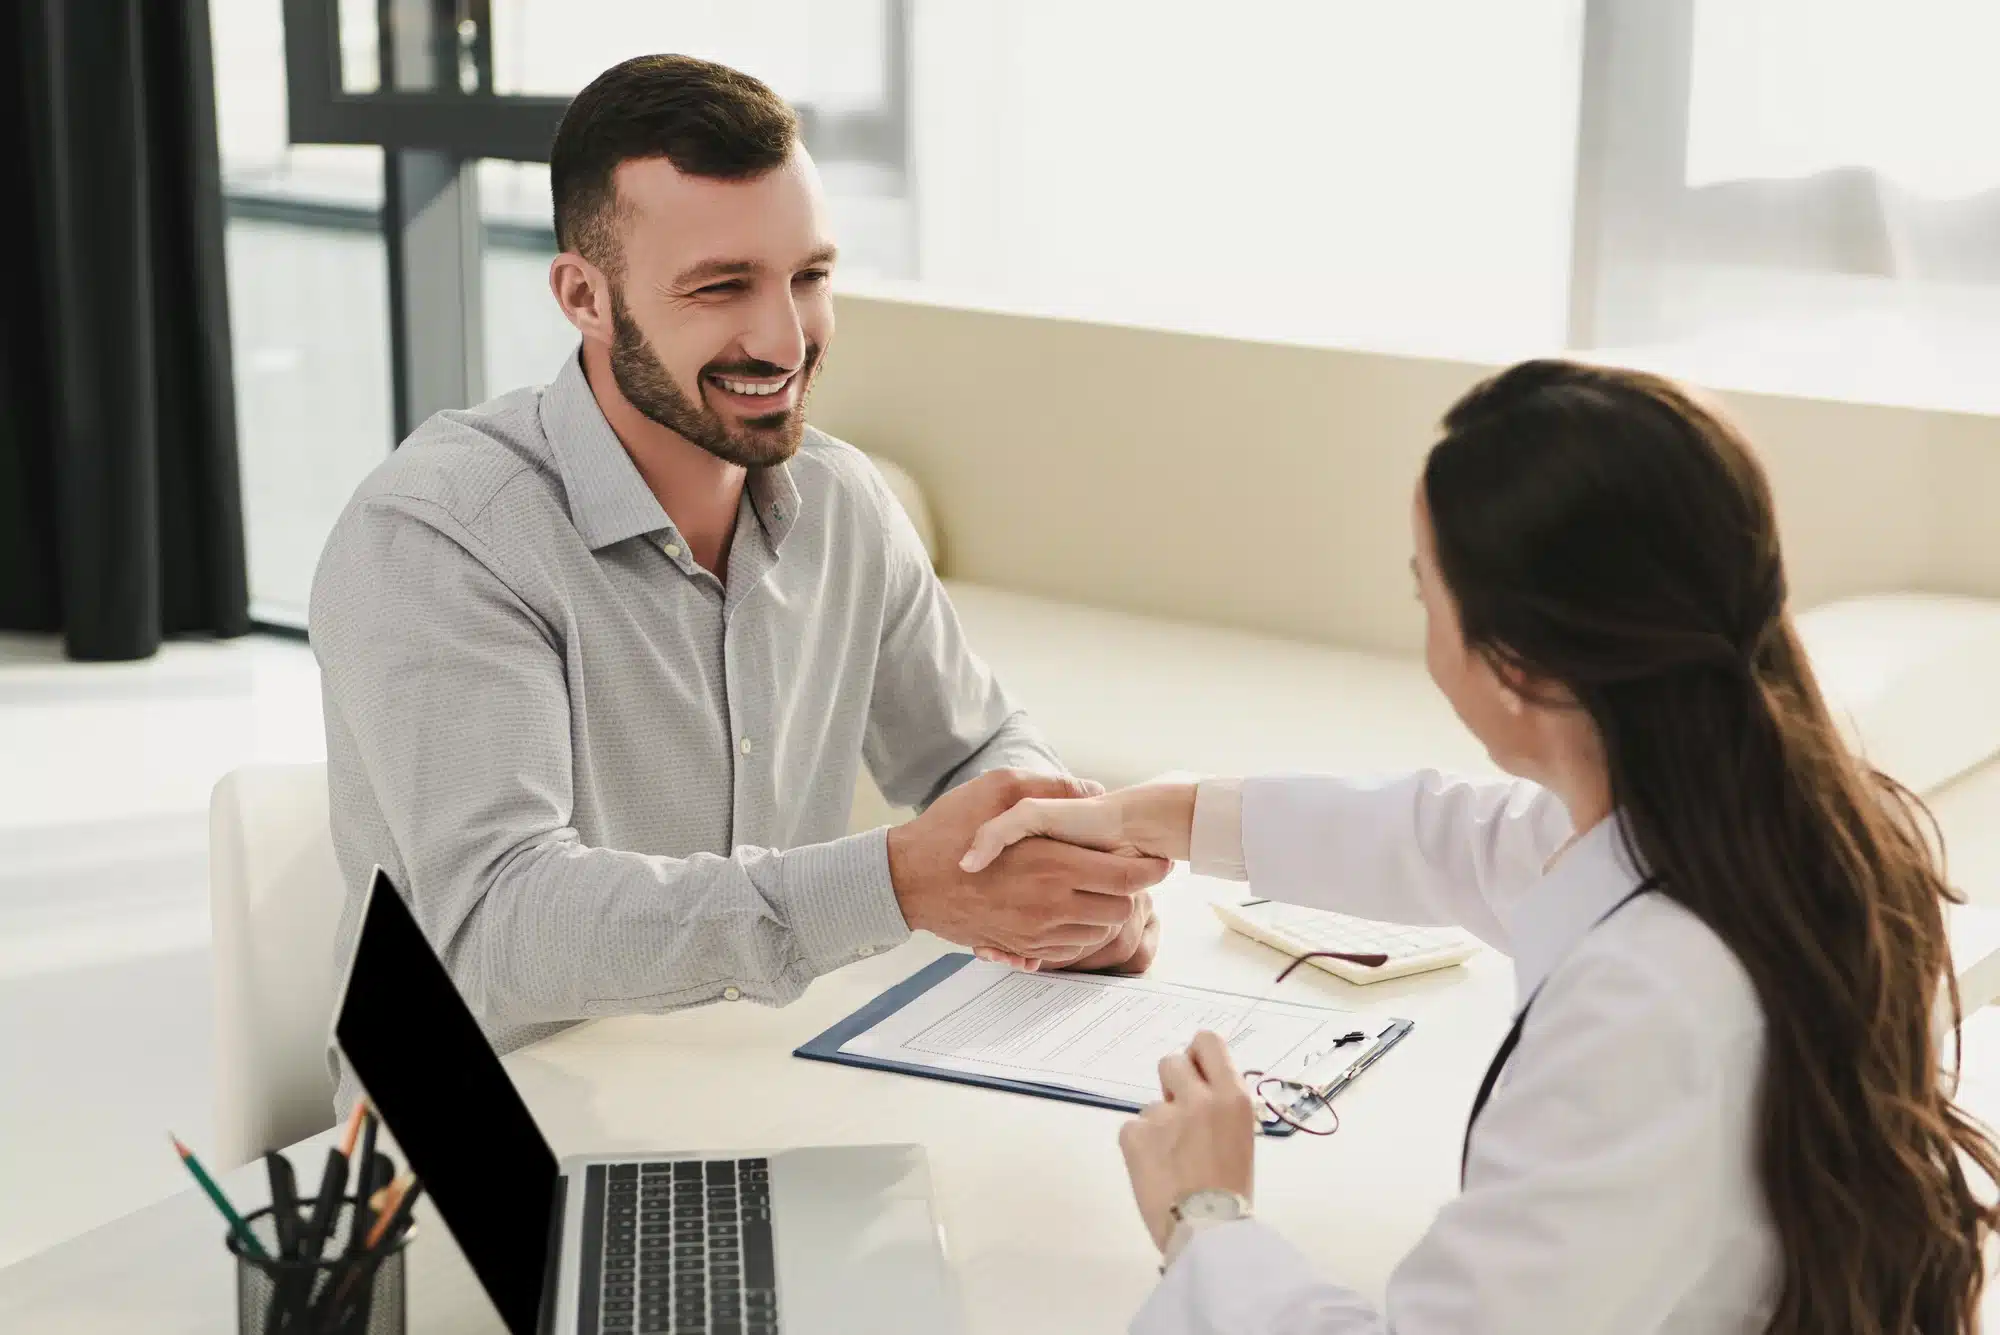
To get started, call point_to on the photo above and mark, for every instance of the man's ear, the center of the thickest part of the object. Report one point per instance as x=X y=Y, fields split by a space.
x=583 y=293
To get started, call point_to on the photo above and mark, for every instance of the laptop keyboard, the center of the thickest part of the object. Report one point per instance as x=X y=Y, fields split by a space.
x=674 y=1247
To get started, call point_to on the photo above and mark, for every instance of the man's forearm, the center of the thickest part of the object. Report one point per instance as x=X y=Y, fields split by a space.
x=561 y=931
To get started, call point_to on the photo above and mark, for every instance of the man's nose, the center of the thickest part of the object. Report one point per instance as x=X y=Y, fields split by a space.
x=776 y=335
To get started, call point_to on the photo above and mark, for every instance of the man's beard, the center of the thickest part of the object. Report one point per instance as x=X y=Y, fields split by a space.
x=758 y=443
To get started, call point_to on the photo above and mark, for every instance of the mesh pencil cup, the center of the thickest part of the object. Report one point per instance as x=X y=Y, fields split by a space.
x=339 y=1294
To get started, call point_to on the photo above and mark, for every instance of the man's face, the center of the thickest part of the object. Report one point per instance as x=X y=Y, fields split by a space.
x=724 y=306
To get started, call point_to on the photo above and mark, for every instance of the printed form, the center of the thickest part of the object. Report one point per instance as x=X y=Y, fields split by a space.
x=1102 y=1035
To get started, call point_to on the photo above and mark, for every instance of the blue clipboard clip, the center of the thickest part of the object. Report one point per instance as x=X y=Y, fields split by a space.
x=826 y=1047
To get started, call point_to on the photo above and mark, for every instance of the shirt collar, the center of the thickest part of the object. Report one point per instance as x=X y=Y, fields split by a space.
x=1587 y=882
x=774 y=495
x=608 y=500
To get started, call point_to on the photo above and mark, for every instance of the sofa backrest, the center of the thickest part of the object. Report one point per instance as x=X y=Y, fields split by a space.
x=1267 y=486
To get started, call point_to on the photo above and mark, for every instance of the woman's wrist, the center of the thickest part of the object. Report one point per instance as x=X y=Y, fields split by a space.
x=1158 y=818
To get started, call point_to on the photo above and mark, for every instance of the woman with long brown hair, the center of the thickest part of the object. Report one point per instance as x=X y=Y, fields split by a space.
x=1723 y=1104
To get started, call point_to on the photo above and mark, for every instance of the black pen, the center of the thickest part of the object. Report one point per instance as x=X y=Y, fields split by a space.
x=284 y=1203
x=285 y=1221
x=332 y=1185
x=326 y=1209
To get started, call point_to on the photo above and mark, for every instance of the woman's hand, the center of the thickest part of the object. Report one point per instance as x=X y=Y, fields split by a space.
x=1203 y=1135
x=1150 y=820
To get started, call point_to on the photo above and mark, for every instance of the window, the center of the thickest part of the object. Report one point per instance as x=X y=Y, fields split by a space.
x=840 y=62
x=1388 y=175
x=1775 y=194
x=1790 y=195
x=308 y=308
x=526 y=337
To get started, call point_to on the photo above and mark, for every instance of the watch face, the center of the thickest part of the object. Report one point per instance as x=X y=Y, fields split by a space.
x=1212 y=1203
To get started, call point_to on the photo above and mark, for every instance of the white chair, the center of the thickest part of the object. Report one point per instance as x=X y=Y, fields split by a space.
x=275 y=893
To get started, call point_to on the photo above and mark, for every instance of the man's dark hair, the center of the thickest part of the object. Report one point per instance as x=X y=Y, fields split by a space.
x=706 y=119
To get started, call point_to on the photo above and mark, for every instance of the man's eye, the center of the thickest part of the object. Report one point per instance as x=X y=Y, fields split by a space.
x=812 y=276
x=721 y=289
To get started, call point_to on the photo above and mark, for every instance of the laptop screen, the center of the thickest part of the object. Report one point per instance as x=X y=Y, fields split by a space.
x=441 y=1091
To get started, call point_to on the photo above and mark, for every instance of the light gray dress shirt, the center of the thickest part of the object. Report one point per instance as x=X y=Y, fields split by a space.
x=607 y=781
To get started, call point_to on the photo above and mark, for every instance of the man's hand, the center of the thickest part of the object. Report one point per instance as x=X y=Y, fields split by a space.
x=1132 y=950
x=1040 y=900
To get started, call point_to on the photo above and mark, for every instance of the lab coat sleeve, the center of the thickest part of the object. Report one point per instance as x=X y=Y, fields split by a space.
x=1244 y=1279
x=1423 y=848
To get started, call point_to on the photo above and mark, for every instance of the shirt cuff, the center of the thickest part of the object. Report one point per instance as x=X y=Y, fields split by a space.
x=838 y=900
x=1215 y=841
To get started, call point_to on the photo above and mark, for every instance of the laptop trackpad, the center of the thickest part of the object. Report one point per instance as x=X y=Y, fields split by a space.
x=857 y=1245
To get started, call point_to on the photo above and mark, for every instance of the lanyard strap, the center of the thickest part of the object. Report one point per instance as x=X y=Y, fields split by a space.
x=1513 y=1039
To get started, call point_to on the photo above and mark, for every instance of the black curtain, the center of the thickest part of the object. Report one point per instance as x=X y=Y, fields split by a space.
x=120 y=516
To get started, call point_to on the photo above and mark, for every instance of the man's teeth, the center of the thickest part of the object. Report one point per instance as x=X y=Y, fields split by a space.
x=745 y=387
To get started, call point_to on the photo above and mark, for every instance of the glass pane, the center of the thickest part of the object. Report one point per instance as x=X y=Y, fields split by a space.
x=526 y=335
x=1827 y=218
x=360 y=48
x=309 y=315
x=308 y=310
x=1328 y=172
x=1392 y=176
x=831 y=54
x=831 y=58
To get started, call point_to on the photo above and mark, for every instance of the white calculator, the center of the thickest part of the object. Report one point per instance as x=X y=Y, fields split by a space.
x=1297 y=931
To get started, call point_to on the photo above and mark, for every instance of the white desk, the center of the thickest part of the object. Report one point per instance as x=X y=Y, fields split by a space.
x=1035 y=1205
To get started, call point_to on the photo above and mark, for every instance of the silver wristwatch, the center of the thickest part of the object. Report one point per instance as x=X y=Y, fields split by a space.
x=1198 y=1210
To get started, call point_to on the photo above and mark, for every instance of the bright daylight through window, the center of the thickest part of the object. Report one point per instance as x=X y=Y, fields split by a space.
x=1781 y=194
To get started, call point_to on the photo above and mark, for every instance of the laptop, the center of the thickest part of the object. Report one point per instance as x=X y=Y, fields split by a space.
x=785 y=1242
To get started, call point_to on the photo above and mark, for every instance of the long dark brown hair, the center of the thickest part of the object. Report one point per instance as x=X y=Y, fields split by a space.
x=1604 y=532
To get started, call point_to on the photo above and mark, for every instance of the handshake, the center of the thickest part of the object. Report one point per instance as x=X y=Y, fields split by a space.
x=980 y=868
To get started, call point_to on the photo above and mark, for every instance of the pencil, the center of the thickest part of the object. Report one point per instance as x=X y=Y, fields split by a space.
x=392 y=1207
x=353 y=1130
x=207 y=1184
x=364 y=1175
x=394 y=1204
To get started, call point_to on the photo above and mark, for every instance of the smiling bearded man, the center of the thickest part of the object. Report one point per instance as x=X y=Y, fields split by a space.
x=602 y=660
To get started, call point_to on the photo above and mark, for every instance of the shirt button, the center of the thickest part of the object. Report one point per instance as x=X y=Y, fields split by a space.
x=864 y=952
x=673 y=550
x=748 y=746
x=732 y=993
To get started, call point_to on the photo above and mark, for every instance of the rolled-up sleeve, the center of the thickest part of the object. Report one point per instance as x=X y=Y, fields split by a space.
x=1215 y=836
x=450 y=696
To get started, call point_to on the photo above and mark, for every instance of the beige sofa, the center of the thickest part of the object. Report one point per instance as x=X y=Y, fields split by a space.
x=1170 y=573
x=1125 y=697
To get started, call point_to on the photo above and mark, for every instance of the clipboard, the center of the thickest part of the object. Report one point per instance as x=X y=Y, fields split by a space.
x=826 y=1047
